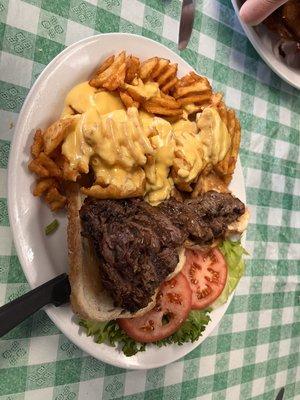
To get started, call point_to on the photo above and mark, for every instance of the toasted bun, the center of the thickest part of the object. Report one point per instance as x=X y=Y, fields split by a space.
x=89 y=299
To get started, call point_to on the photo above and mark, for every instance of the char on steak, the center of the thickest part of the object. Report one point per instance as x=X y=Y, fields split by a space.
x=137 y=244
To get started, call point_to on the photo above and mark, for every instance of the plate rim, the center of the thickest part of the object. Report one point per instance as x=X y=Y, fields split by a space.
x=50 y=310
x=254 y=39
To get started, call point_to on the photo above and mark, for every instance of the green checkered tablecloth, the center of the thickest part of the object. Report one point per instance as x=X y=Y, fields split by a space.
x=255 y=350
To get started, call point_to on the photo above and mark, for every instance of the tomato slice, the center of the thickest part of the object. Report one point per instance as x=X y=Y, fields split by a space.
x=171 y=310
x=207 y=275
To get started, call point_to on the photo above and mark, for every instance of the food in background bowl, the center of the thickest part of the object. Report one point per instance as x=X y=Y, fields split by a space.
x=285 y=22
x=143 y=159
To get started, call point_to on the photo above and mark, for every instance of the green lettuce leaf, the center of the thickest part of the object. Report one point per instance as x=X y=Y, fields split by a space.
x=190 y=330
x=233 y=253
x=112 y=334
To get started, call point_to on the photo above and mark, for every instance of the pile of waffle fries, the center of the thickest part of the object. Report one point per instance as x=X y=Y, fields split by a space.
x=175 y=98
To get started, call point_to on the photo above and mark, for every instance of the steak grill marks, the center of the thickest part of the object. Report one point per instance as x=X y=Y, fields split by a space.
x=137 y=244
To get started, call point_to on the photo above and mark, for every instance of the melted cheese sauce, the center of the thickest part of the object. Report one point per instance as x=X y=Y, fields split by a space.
x=188 y=150
x=199 y=144
x=215 y=138
x=115 y=144
x=140 y=90
x=83 y=96
x=127 y=148
x=158 y=183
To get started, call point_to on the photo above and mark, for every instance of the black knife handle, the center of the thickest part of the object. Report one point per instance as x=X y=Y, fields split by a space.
x=56 y=291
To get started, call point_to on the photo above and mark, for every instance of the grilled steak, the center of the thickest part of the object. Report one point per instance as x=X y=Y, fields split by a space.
x=137 y=244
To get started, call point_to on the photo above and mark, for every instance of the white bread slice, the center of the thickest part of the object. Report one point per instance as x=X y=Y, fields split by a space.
x=89 y=299
x=179 y=266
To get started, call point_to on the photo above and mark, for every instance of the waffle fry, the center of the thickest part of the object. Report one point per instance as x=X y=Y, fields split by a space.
x=49 y=188
x=160 y=68
x=226 y=167
x=117 y=79
x=191 y=85
x=142 y=91
x=44 y=167
x=167 y=75
x=111 y=74
x=147 y=67
x=222 y=110
x=106 y=64
x=161 y=71
x=68 y=173
x=128 y=100
x=55 y=200
x=191 y=109
x=153 y=107
x=43 y=185
x=132 y=68
x=165 y=101
x=216 y=99
x=193 y=92
x=168 y=86
x=56 y=133
x=163 y=105
x=197 y=99
x=38 y=143
x=133 y=93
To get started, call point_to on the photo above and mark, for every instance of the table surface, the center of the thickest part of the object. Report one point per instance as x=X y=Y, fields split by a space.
x=255 y=350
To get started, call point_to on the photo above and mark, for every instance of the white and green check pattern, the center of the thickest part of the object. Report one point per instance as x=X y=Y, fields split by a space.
x=255 y=350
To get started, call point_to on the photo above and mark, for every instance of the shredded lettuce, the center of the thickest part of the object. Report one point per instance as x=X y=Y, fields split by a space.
x=233 y=253
x=112 y=334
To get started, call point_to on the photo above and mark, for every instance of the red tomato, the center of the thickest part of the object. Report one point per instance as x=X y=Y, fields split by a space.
x=171 y=310
x=207 y=274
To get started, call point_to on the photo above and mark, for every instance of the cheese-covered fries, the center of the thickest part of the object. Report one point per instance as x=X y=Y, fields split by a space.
x=137 y=129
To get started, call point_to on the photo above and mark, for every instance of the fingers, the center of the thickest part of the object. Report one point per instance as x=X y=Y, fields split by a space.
x=253 y=12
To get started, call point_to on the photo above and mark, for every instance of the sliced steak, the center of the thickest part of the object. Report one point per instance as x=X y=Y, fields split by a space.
x=137 y=244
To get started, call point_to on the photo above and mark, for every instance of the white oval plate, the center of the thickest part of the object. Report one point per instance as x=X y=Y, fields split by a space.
x=43 y=257
x=264 y=41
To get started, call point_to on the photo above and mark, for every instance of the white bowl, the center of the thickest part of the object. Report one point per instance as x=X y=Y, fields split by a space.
x=264 y=43
x=43 y=257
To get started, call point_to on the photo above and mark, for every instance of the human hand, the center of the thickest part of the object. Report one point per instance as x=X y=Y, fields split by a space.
x=253 y=12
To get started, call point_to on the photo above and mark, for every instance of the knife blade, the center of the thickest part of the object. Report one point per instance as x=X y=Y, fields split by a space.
x=56 y=291
x=280 y=394
x=186 y=23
